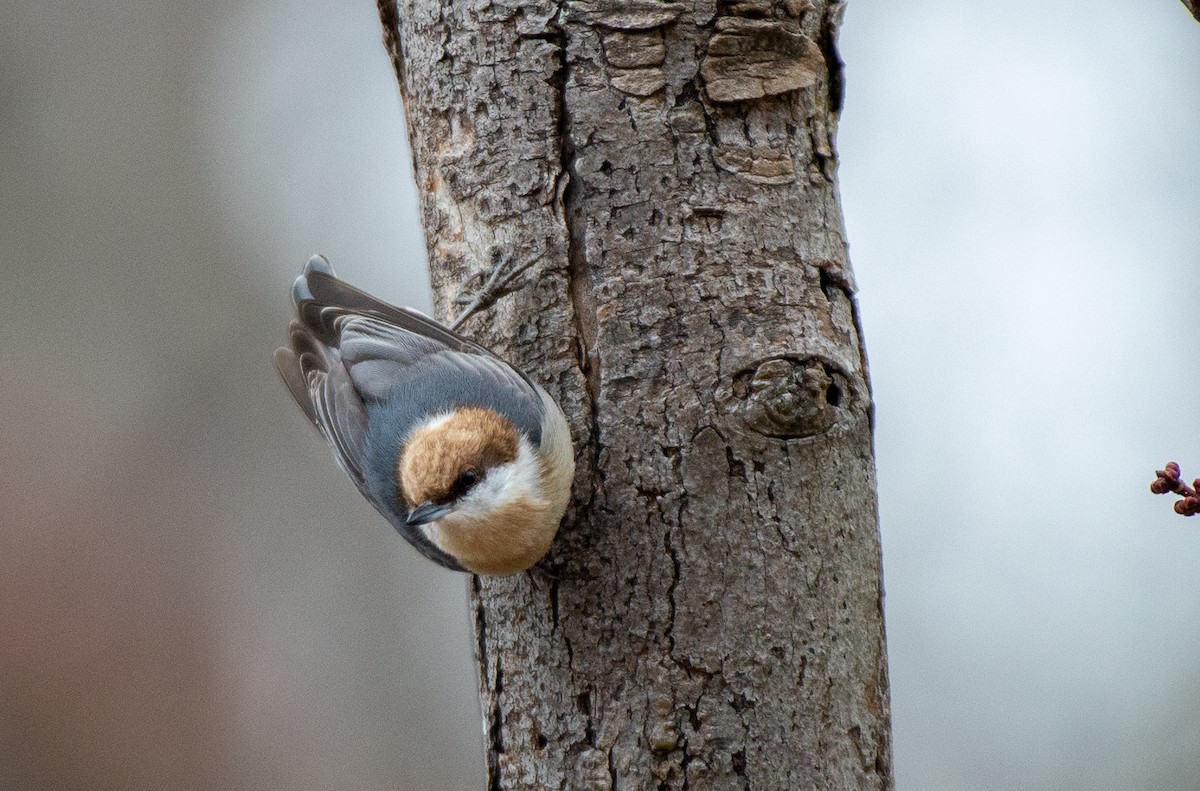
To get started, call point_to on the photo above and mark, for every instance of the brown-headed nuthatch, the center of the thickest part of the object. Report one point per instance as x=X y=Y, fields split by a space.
x=465 y=456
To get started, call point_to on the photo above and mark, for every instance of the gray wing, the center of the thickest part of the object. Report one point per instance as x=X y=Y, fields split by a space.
x=365 y=372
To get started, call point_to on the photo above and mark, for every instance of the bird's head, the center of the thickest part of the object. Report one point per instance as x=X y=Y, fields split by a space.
x=475 y=485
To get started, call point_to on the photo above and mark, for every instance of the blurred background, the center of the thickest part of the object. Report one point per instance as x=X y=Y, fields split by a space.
x=192 y=597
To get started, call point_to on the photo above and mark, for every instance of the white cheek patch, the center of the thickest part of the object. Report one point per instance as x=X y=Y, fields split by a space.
x=520 y=479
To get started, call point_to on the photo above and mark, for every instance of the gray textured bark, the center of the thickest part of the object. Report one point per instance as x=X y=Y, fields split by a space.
x=662 y=176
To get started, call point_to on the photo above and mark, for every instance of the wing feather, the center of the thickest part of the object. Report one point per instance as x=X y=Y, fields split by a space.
x=328 y=290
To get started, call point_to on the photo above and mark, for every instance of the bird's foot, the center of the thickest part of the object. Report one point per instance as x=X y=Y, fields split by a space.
x=498 y=281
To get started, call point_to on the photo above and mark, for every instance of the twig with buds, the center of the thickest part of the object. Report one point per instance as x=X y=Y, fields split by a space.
x=1168 y=481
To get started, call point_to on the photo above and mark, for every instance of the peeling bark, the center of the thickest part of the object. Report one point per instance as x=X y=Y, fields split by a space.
x=663 y=174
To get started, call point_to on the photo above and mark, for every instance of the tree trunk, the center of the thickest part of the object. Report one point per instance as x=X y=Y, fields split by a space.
x=661 y=173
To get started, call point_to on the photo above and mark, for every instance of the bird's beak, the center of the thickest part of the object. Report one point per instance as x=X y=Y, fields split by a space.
x=426 y=512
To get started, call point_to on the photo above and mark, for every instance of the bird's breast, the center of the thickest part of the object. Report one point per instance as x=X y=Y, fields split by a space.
x=511 y=538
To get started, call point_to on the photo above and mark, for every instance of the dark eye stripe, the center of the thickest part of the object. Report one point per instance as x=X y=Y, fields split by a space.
x=464 y=483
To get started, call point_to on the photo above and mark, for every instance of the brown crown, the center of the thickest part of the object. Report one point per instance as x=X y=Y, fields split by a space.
x=433 y=458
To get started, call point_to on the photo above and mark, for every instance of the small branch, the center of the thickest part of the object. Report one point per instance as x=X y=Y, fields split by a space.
x=1168 y=481
x=1194 y=7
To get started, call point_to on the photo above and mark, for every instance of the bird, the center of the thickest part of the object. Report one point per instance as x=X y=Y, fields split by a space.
x=464 y=455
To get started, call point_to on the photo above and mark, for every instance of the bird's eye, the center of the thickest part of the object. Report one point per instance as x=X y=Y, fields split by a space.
x=467 y=479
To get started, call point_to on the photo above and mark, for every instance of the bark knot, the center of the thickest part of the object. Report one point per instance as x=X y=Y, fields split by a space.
x=791 y=398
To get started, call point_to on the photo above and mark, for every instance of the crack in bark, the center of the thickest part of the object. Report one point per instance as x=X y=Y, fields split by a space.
x=584 y=704
x=583 y=304
x=670 y=630
x=554 y=605
x=583 y=308
x=494 y=723
x=684 y=763
x=856 y=317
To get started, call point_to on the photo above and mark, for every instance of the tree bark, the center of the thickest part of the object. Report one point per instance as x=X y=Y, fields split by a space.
x=662 y=175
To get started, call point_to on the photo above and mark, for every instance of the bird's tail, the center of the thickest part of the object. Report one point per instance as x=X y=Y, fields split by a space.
x=309 y=353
